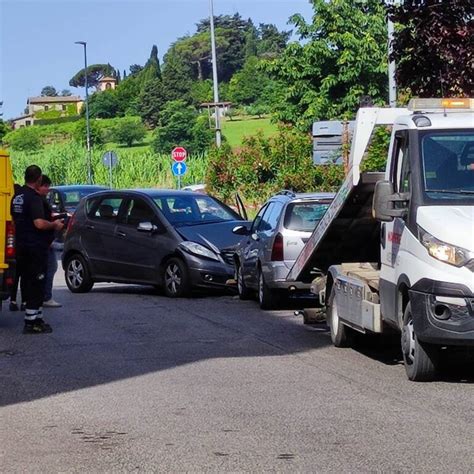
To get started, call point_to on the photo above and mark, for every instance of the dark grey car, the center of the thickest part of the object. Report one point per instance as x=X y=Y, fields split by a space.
x=173 y=239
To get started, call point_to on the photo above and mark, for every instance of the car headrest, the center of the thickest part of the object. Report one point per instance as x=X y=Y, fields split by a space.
x=106 y=210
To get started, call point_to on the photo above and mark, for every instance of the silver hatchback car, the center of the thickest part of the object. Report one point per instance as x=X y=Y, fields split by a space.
x=270 y=246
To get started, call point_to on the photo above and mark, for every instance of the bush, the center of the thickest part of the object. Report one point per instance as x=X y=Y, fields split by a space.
x=128 y=130
x=264 y=166
x=96 y=134
x=24 y=139
x=257 y=109
x=182 y=126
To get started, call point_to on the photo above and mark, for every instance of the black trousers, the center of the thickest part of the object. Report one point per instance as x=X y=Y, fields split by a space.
x=33 y=263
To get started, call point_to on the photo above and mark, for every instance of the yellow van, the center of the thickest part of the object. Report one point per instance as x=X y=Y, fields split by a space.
x=7 y=230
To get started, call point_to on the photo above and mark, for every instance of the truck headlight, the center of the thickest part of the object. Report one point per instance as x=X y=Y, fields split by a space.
x=198 y=249
x=442 y=251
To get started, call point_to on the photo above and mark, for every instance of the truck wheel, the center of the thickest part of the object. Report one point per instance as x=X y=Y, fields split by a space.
x=340 y=334
x=78 y=278
x=421 y=359
x=267 y=298
x=244 y=292
x=176 y=279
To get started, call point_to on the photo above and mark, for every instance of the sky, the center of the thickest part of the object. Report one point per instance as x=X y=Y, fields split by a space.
x=37 y=37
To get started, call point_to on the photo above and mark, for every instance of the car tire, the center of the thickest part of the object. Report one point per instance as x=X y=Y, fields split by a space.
x=77 y=274
x=421 y=359
x=341 y=335
x=244 y=292
x=176 y=279
x=267 y=298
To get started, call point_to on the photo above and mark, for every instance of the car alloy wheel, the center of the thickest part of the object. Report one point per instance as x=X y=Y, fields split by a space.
x=78 y=278
x=75 y=273
x=173 y=278
x=176 y=279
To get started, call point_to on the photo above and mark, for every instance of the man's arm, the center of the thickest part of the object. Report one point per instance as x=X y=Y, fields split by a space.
x=43 y=224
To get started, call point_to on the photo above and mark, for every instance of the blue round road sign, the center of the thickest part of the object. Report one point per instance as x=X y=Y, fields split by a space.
x=179 y=168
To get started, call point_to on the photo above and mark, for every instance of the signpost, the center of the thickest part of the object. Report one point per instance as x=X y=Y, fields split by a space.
x=110 y=160
x=179 y=168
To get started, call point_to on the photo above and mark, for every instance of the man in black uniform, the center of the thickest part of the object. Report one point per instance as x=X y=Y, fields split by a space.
x=32 y=237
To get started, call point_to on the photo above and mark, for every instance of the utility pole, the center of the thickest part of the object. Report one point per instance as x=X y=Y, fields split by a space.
x=88 y=129
x=392 y=85
x=214 y=75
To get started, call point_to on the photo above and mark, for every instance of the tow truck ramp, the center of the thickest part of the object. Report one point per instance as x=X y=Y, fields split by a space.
x=348 y=232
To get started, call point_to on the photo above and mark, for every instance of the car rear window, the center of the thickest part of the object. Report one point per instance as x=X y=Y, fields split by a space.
x=304 y=216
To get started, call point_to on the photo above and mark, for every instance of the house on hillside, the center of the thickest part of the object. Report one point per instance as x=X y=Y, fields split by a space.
x=45 y=107
x=106 y=83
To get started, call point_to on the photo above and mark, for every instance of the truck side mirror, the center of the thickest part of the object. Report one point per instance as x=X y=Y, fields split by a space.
x=383 y=208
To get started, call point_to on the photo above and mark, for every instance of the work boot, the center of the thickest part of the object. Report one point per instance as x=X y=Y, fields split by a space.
x=38 y=326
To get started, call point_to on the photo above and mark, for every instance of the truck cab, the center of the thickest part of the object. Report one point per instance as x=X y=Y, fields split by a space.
x=397 y=251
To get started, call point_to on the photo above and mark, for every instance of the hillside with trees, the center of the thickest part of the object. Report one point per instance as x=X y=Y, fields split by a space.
x=278 y=82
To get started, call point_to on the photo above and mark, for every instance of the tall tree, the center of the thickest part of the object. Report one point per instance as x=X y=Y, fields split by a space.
x=231 y=35
x=248 y=84
x=151 y=102
x=66 y=93
x=271 y=41
x=341 y=58
x=94 y=73
x=177 y=78
x=152 y=69
x=433 y=47
x=49 y=91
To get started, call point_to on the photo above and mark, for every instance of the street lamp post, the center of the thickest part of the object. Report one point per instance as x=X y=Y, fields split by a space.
x=88 y=129
x=214 y=74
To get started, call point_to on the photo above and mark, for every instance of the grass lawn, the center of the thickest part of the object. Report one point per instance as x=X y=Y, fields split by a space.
x=235 y=130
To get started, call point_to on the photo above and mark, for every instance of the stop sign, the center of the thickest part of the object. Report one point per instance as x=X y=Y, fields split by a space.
x=179 y=154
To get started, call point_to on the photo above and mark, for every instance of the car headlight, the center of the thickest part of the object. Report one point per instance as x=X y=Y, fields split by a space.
x=198 y=249
x=442 y=251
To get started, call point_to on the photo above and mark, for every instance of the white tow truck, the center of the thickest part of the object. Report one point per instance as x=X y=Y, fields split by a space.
x=395 y=250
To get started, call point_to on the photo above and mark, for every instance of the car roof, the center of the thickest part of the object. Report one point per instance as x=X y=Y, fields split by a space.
x=290 y=197
x=78 y=187
x=153 y=193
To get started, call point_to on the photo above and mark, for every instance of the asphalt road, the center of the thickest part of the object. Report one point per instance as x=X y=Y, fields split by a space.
x=132 y=381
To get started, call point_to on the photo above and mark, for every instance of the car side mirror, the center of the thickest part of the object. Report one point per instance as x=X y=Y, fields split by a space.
x=240 y=230
x=383 y=207
x=147 y=227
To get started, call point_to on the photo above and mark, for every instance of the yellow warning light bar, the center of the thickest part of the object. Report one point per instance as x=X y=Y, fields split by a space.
x=441 y=104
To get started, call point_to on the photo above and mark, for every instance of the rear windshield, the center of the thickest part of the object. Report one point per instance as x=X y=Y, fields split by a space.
x=304 y=216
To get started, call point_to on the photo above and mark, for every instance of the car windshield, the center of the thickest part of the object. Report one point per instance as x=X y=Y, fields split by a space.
x=73 y=196
x=304 y=216
x=193 y=209
x=448 y=165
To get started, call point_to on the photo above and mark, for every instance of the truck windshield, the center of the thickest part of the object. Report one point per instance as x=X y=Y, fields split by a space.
x=448 y=165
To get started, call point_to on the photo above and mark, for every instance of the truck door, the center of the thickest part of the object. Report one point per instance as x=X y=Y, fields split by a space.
x=392 y=232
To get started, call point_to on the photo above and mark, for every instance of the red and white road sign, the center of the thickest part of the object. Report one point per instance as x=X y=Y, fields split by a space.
x=179 y=154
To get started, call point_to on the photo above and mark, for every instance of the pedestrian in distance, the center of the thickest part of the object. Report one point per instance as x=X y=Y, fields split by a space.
x=49 y=302
x=33 y=239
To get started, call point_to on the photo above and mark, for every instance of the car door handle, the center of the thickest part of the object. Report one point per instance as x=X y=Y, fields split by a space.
x=121 y=234
x=89 y=226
